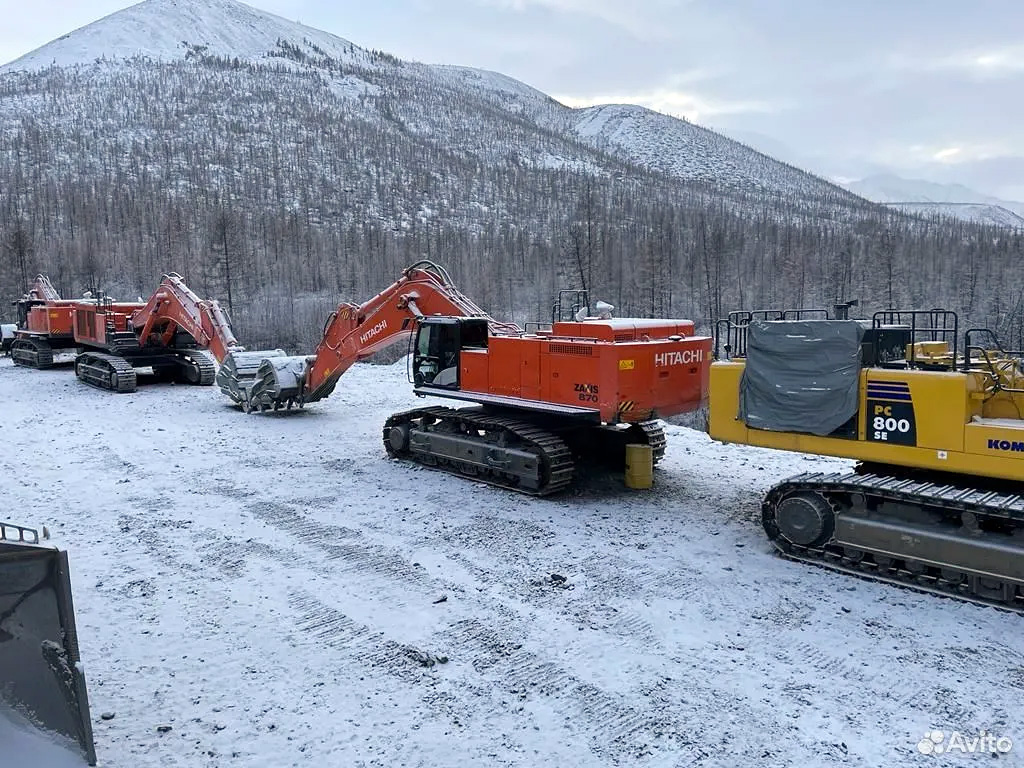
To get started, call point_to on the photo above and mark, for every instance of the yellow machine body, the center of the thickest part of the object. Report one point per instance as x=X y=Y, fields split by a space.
x=951 y=421
x=936 y=501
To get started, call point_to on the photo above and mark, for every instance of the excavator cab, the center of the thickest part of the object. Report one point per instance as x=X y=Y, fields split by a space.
x=439 y=340
x=24 y=306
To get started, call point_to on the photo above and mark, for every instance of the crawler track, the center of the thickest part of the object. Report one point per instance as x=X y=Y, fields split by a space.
x=946 y=539
x=654 y=435
x=105 y=371
x=201 y=372
x=492 y=449
x=31 y=353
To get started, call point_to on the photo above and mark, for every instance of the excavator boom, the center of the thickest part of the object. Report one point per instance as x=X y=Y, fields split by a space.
x=42 y=289
x=353 y=332
x=174 y=305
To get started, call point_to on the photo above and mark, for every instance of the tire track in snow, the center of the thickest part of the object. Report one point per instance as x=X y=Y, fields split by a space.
x=342 y=545
x=518 y=545
x=613 y=726
x=372 y=648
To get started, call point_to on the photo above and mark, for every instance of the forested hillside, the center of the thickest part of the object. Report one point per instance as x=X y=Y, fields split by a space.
x=286 y=183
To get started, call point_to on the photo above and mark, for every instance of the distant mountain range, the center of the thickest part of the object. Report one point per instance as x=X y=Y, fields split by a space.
x=926 y=197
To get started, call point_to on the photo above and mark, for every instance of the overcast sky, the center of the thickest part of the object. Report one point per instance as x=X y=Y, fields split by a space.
x=924 y=88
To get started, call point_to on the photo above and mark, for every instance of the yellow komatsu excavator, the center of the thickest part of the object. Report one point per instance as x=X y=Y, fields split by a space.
x=934 y=418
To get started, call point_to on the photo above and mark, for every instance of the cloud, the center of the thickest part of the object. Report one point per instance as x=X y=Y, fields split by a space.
x=949 y=154
x=982 y=62
x=1007 y=60
x=642 y=20
x=917 y=155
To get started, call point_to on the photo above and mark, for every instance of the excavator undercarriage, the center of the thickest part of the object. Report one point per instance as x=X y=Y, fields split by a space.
x=496 y=450
x=931 y=534
x=117 y=373
x=504 y=449
x=32 y=353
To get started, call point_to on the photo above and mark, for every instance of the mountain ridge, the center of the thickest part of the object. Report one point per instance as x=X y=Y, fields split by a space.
x=169 y=30
x=311 y=170
x=891 y=189
x=187 y=28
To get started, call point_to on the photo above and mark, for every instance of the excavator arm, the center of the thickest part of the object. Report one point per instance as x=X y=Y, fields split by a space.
x=174 y=305
x=42 y=289
x=354 y=332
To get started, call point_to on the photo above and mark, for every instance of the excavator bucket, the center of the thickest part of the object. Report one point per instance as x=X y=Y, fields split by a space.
x=44 y=710
x=278 y=383
x=238 y=370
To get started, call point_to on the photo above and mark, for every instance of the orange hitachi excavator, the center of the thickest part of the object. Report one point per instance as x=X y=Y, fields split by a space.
x=163 y=336
x=581 y=387
x=44 y=326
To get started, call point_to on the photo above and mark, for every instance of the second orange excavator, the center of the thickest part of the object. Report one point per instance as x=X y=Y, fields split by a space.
x=583 y=386
x=164 y=336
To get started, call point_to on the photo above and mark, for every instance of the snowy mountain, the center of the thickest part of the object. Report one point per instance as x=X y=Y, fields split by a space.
x=279 y=166
x=166 y=30
x=197 y=30
x=984 y=213
x=928 y=197
x=687 y=151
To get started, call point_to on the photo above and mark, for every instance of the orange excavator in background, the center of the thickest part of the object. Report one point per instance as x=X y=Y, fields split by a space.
x=163 y=336
x=44 y=326
x=580 y=387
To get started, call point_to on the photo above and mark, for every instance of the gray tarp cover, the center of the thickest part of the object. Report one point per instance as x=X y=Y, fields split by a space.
x=801 y=376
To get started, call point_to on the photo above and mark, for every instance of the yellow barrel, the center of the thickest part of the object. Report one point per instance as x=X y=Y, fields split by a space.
x=639 y=466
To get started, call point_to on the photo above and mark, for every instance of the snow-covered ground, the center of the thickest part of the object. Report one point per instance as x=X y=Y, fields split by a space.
x=271 y=587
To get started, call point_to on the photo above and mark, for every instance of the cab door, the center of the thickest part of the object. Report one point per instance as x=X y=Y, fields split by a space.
x=436 y=355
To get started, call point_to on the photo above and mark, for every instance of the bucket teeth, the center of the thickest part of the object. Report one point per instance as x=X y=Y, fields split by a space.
x=278 y=383
x=238 y=372
x=260 y=381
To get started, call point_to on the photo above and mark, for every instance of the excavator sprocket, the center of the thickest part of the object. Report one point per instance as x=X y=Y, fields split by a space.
x=197 y=368
x=32 y=353
x=492 y=449
x=931 y=536
x=105 y=371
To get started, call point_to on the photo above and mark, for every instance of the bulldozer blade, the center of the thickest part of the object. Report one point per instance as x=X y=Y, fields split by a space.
x=44 y=708
x=238 y=370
